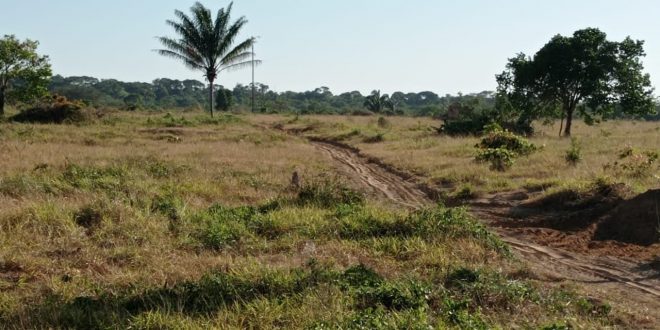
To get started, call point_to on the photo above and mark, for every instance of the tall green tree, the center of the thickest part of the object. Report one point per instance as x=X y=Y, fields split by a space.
x=24 y=74
x=223 y=100
x=584 y=73
x=207 y=44
x=376 y=102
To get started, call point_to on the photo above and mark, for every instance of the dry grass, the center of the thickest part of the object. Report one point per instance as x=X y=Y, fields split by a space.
x=413 y=145
x=96 y=215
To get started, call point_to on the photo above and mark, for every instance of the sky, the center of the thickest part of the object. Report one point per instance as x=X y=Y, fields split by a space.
x=392 y=45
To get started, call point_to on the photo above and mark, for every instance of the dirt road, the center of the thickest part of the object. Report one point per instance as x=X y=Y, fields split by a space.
x=626 y=285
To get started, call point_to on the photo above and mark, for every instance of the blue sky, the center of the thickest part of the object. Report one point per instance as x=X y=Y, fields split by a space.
x=408 y=45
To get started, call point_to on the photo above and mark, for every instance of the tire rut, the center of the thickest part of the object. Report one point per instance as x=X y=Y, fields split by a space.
x=617 y=274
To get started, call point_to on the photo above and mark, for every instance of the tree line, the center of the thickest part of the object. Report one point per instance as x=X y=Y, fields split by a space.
x=164 y=93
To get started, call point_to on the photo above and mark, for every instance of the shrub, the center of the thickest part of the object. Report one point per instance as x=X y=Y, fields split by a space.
x=466 y=119
x=507 y=140
x=500 y=148
x=634 y=163
x=500 y=159
x=574 y=153
x=56 y=110
x=472 y=126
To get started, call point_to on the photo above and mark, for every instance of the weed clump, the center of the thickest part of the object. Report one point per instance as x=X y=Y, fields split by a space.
x=327 y=193
x=224 y=227
x=384 y=123
x=428 y=224
x=88 y=217
x=379 y=137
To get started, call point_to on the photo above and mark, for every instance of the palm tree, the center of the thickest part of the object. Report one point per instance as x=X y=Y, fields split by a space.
x=206 y=44
x=376 y=103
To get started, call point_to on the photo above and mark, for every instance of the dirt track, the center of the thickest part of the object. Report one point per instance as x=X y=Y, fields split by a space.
x=627 y=285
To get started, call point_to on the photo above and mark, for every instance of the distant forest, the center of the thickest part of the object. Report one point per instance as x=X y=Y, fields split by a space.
x=167 y=94
x=184 y=94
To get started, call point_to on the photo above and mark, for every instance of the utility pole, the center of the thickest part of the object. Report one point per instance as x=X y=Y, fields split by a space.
x=253 y=77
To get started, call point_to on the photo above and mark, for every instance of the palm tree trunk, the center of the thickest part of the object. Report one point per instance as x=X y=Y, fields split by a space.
x=211 y=96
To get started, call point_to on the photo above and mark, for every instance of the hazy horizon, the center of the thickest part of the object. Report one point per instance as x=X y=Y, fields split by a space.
x=388 y=45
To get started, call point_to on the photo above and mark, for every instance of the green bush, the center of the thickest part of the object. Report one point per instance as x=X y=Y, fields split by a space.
x=500 y=148
x=500 y=159
x=507 y=140
x=467 y=119
x=574 y=153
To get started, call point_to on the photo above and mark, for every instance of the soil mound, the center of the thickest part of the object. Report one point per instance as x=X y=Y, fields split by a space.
x=635 y=221
x=576 y=210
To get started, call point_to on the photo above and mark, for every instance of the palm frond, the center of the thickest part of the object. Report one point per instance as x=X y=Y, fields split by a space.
x=184 y=59
x=243 y=57
x=187 y=24
x=182 y=49
x=238 y=66
x=230 y=35
x=222 y=20
x=241 y=48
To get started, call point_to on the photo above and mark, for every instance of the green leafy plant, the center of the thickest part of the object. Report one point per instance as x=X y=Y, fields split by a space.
x=634 y=163
x=500 y=159
x=500 y=148
x=574 y=153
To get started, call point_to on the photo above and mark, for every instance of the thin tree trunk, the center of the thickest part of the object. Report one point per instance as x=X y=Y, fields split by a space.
x=569 y=122
x=2 y=102
x=211 y=96
x=561 y=123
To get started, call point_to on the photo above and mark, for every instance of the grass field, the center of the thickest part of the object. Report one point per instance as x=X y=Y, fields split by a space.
x=412 y=144
x=154 y=221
